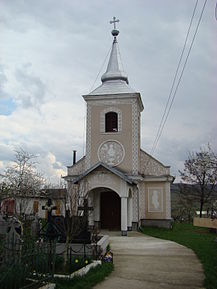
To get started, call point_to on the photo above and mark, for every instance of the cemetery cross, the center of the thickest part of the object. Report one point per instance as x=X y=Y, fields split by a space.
x=49 y=208
x=85 y=234
x=85 y=209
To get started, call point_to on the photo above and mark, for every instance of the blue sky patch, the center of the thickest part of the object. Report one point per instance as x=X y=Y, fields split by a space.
x=7 y=106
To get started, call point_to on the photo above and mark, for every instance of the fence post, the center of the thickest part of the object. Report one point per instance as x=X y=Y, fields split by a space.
x=84 y=250
x=70 y=256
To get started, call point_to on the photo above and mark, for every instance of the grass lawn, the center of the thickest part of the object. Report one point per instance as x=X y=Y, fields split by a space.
x=93 y=277
x=200 y=240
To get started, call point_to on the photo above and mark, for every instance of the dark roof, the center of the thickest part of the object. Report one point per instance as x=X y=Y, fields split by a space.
x=111 y=169
x=56 y=193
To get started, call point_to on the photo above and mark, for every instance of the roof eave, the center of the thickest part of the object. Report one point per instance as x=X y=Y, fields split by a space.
x=92 y=97
x=111 y=169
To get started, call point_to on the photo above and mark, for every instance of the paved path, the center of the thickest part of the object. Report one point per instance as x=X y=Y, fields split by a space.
x=145 y=262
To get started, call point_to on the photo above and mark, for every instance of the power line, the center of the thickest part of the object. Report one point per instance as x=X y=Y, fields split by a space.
x=84 y=124
x=216 y=11
x=100 y=69
x=179 y=80
x=174 y=79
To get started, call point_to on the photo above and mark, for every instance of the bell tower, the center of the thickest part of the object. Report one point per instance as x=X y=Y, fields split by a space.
x=113 y=118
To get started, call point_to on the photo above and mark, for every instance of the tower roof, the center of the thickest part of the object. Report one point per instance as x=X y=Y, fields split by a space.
x=114 y=80
x=115 y=68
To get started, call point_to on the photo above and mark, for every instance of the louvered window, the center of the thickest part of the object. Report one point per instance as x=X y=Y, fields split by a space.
x=111 y=122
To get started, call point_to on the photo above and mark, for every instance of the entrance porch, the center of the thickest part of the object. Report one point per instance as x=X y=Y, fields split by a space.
x=110 y=211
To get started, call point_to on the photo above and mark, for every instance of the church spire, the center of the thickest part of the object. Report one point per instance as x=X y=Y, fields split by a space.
x=114 y=69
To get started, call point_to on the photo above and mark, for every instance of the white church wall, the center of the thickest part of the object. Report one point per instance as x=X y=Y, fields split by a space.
x=128 y=111
x=108 y=180
x=168 y=200
x=141 y=188
x=135 y=196
x=135 y=137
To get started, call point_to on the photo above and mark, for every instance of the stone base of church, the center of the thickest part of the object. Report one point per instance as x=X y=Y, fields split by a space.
x=129 y=228
x=123 y=233
x=134 y=226
x=156 y=223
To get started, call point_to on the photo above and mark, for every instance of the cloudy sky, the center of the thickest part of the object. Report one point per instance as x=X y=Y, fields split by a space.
x=51 y=52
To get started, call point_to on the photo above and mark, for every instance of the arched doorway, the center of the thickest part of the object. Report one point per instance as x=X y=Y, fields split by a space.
x=110 y=210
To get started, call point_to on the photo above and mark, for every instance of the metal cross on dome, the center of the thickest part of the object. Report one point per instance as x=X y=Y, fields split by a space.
x=114 y=21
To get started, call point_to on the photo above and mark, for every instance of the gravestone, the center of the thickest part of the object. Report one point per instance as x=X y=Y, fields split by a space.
x=35 y=227
x=13 y=240
x=3 y=226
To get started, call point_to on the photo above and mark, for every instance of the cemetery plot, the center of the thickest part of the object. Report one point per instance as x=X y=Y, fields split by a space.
x=36 y=256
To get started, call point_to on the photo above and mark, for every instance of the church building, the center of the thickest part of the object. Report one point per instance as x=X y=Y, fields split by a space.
x=126 y=187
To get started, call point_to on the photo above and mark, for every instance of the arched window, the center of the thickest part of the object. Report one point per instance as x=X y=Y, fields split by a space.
x=118 y=126
x=111 y=122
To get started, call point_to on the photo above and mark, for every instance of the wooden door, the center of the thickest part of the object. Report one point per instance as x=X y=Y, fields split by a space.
x=110 y=204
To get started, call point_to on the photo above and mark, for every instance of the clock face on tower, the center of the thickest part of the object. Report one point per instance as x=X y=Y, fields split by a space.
x=111 y=152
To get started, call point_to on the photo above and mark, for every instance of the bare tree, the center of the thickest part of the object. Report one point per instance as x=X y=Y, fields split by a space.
x=75 y=221
x=22 y=178
x=201 y=172
x=184 y=206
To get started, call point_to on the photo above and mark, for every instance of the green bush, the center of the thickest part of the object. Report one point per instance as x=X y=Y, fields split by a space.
x=13 y=277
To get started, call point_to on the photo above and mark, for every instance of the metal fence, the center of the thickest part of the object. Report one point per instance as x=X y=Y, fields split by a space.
x=26 y=264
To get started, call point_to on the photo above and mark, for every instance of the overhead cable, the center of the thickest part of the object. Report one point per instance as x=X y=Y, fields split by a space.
x=166 y=114
x=174 y=79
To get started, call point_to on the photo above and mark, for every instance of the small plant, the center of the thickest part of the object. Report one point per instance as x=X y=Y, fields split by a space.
x=108 y=248
x=72 y=265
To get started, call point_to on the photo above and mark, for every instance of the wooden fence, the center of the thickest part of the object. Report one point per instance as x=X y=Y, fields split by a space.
x=205 y=222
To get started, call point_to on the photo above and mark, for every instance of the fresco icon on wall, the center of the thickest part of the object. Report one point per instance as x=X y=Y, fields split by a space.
x=155 y=200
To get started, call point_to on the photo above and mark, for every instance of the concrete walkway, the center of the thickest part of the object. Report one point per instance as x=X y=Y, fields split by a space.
x=145 y=262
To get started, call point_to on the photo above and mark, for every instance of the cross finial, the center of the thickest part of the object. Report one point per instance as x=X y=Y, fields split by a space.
x=114 y=21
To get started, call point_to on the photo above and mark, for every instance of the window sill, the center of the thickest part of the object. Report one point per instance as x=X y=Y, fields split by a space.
x=111 y=132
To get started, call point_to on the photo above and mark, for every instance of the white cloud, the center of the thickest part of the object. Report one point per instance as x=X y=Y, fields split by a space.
x=32 y=89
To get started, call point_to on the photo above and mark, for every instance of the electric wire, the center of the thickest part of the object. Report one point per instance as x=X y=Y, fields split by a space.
x=179 y=80
x=174 y=79
x=84 y=125
x=216 y=11
x=100 y=69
